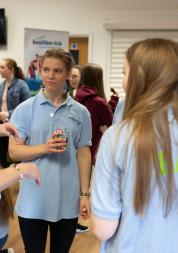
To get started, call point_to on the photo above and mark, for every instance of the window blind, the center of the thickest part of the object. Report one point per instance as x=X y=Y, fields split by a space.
x=120 y=42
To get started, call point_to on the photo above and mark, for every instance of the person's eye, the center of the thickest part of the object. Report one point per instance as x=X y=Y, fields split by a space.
x=45 y=69
x=59 y=70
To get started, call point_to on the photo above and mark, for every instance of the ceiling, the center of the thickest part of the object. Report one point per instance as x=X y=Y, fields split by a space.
x=135 y=4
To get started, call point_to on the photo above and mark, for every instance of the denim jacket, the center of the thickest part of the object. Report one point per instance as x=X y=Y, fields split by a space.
x=17 y=92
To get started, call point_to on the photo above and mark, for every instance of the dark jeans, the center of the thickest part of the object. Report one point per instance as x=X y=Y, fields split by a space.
x=3 y=241
x=34 y=234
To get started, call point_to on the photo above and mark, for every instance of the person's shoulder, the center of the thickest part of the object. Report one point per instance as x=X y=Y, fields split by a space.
x=99 y=99
x=22 y=82
x=19 y=84
x=119 y=111
x=121 y=104
x=116 y=139
x=111 y=131
x=24 y=109
x=100 y=102
x=26 y=103
x=119 y=130
x=78 y=105
x=79 y=109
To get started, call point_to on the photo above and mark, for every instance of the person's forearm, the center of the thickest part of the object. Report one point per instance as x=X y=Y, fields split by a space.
x=25 y=153
x=84 y=164
x=8 y=177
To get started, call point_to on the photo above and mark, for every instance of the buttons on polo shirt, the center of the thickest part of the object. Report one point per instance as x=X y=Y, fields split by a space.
x=51 y=114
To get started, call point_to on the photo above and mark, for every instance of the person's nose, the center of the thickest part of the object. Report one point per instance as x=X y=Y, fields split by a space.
x=51 y=75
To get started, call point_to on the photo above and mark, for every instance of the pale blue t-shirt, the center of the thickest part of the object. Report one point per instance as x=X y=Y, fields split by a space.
x=112 y=193
x=117 y=117
x=58 y=195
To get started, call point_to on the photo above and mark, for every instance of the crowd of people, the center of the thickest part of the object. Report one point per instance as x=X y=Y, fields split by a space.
x=60 y=144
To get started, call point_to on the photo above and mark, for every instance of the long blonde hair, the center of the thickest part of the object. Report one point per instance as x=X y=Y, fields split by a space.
x=152 y=89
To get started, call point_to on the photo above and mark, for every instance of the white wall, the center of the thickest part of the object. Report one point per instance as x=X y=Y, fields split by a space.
x=54 y=15
x=75 y=16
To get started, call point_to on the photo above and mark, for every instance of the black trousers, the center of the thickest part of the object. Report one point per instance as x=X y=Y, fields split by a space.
x=34 y=234
x=3 y=152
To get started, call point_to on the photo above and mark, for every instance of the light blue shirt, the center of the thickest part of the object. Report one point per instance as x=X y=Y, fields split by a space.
x=112 y=193
x=57 y=196
x=117 y=117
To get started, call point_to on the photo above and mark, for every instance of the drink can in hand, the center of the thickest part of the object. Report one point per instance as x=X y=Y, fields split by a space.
x=62 y=133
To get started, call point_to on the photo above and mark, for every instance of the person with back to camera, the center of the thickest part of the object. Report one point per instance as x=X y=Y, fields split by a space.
x=135 y=201
x=55 y=133
x=13 y=91
x=91 y=94
x=8 y=177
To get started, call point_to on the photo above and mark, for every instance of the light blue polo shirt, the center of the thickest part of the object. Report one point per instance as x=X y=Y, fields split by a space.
x=117 y=117
x=58 y=194
x=112 y=193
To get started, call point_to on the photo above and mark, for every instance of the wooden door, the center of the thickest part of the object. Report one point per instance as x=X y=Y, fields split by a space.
x=78 y=47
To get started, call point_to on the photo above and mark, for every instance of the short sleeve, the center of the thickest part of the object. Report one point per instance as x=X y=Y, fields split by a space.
x=106 y=195
x=85 y=133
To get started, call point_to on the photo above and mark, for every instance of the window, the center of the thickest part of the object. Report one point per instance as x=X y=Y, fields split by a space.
x=120 y=41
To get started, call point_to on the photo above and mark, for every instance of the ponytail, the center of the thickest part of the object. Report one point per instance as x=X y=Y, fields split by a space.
x=12 y=65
